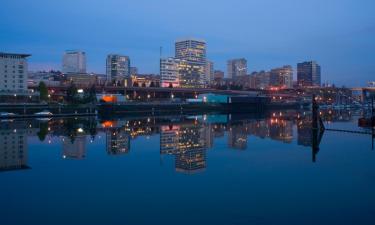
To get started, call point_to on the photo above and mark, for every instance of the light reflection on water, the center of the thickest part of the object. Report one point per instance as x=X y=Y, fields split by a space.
x=221 y=169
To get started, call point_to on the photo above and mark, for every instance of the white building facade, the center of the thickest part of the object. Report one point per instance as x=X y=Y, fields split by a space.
x=169 y=72
x=74 y=62
x=13 y=72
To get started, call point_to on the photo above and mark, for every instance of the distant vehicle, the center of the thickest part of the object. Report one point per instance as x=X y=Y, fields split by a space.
x=6 y=114
x=43 y=113
x=6 y=120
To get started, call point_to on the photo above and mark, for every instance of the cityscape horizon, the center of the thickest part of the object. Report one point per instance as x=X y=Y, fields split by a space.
x=322 y=36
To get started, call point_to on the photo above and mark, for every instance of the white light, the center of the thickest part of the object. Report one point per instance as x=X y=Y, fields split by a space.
x=80 y=130
x=80 y=90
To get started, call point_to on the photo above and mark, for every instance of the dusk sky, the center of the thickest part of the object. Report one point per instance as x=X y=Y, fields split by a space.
x=339 y=34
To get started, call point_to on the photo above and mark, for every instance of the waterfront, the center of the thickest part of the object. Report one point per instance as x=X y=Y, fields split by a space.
x=185 y=169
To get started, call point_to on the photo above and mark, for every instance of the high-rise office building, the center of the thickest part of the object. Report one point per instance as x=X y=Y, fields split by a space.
x=209 y=72
x=193 y=52
x=282 y=77
x=118 y=67
x=308 y=74
x=13 y=72
x=74 y=62
x=236 y=68
x=170 y=72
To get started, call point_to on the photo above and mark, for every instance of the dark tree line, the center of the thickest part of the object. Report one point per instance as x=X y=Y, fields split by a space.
x=88 y=96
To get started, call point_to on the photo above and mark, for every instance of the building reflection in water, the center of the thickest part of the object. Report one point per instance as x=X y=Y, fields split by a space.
x=117 y=141
x=74 y=148
x=188 y=143
x=304 y=132
x=13 y=141
x=237 y=136
x=186 y=138
x=281 y=130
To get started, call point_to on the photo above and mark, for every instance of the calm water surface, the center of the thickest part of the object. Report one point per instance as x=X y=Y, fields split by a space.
x=199 y=169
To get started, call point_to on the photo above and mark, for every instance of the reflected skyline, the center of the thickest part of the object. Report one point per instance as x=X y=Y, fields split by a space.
x=186 y=138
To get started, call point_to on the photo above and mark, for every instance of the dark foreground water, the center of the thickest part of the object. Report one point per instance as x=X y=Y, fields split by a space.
x=201 y=169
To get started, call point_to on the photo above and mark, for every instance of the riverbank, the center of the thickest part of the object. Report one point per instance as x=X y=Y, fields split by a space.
x=140 y=108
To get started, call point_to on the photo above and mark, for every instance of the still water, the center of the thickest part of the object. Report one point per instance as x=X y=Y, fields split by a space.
x=195 y=169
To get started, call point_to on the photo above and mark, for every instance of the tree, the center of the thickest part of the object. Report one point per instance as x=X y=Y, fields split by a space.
x=170 y=85
x=143 y=84
x=43 y=91
x=152 y=84
x=92 y=94
x=135 y=84
x=43 y=131
x=71 y=93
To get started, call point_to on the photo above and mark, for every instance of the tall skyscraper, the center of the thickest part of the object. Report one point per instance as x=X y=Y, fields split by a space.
x=282 y=77
x=308 y=74
x=193 y=51
x=236 y=68
x=118 y=67
x=170 y=72
x=13 y=72
x=74 y=62
x=209 y=72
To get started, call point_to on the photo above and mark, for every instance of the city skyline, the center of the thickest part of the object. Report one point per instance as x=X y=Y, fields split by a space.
x=340 y=33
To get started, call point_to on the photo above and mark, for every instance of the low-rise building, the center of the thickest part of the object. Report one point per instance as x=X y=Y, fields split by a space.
x=145 y=80
x=82 y=79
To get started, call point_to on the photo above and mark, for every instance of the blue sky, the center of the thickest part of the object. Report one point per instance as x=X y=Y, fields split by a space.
x=339 y=34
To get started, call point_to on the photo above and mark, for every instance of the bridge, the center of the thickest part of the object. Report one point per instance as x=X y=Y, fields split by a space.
x=154 y=92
